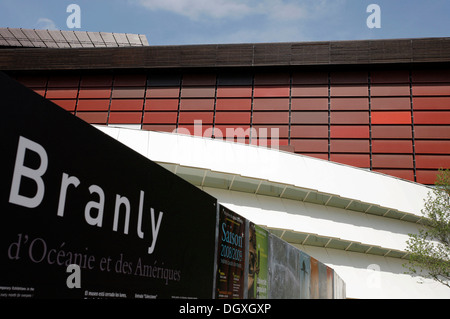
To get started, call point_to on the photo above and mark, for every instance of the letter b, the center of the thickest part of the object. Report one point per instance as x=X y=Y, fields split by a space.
x=35 y=174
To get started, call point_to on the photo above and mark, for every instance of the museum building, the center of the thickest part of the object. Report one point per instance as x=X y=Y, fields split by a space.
x=331 y=146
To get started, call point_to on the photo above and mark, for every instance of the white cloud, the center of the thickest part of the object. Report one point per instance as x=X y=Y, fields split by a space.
x=200 y=8
x=219 y=9
x=46 y=24
x=244 y=21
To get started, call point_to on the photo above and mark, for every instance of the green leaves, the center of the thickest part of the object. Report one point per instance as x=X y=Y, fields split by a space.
x=429 y=250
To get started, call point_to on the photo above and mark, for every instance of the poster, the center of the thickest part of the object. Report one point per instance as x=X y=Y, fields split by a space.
x=71 y=195
x=258 y=252
x=284 y=269
x=231 y=262
x=305 y=274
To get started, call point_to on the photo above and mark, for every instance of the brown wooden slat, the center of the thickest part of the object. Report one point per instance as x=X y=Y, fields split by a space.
x=363 y=52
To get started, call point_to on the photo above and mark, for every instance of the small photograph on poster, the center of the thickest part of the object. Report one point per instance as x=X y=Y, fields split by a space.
x=305 y=275
x=258 y=283
x=284 y=269
x=231 y=255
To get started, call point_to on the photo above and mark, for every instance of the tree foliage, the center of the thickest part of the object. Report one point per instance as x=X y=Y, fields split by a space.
x=429 y=250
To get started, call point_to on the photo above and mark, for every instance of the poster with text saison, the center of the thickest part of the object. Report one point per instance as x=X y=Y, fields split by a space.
x=231 y=259
x=258 y=252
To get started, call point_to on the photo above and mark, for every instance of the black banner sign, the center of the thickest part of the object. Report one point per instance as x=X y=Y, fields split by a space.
x=84 y=216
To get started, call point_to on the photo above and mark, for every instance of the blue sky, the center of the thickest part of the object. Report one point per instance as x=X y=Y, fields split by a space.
x=167 y=22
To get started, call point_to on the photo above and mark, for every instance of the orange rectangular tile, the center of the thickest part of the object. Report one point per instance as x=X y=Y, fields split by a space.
x=432 y=132
x=193 y=91
x=391 y=131
x=379 y=117
x=282 y=131
x=309 y=90
x=160 y=118
x=357 y=160
x=127 y=105
x=93 y=105
x=390 y=90
x=431 y=103
x=311 y=104
x=61 y=93
x=346 y=104
x=407 y=174
x=392 y=161
x=349 y=131
x=232 y=118
x=68 y=105
x=426 y=176
x=310 y=145
x=349 y=146
x=125 y=118
x=349 y=90
x=270 y=117
x=233 y=104
x=431 y=89
x=233 y=130
x=197 y=104
x=160 y=127
x=95 y=93
x=432 y=161
x=204 y=130
x=347 y=117
x=392 y=146
x=161 y=105
x=271 y=104
x=191 y=117
x=390 y=103
x=425 y=117
x=94 y=117
x=389 y=76
x=432 y=147
x=232 y=91
x=128 y=92
x=162 y=92
x=278 y=143
x=300 y=117
x=309 y=131
x=271 y=91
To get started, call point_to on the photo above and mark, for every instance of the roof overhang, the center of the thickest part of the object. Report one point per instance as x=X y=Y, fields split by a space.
x=292 y=54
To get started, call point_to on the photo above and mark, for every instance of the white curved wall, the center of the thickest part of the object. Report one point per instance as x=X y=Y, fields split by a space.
x=366 y=275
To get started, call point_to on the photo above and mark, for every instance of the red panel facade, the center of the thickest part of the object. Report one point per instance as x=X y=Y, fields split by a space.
x=393 y=121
